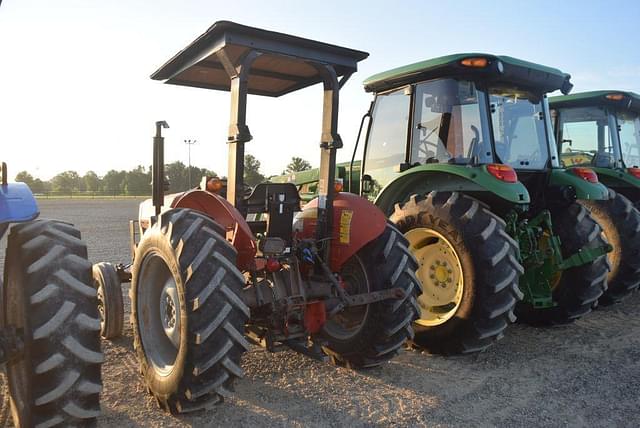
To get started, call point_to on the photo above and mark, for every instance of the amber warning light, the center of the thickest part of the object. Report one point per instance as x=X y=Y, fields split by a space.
x=615 y=97
x=475 y=62
x=502 y=172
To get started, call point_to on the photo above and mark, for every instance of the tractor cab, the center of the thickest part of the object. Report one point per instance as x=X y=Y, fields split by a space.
x=485 y=112
x=601 y=130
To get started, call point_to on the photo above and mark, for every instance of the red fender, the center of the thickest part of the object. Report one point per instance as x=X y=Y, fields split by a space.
x=227 y=216
x=356 y=222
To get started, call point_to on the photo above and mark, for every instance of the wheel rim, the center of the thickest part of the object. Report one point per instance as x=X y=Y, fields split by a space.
x=101 y=308
x=159 y=314
x=440 y=272
x=347 y=323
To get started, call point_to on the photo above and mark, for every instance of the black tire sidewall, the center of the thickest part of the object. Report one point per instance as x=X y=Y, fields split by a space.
x=156 y=242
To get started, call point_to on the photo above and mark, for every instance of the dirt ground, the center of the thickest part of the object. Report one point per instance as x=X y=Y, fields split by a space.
x=585 y=374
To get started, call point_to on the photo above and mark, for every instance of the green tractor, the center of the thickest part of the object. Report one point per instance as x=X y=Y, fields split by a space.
x=443 y=141
x=601 y=130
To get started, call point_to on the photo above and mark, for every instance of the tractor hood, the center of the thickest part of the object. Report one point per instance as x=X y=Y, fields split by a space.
x=494 y=69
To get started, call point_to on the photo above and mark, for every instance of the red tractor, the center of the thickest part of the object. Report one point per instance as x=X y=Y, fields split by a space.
x=212 y=275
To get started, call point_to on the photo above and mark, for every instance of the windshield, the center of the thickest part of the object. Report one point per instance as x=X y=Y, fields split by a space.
x=585 y=138
x=518 y=127
x=629 y=132
x=447 y=124
x=387 y=142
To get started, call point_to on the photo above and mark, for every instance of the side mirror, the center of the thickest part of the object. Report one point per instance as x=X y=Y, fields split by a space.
x=367 y=184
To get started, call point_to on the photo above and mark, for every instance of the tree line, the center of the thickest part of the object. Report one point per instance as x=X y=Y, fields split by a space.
x=137 y=181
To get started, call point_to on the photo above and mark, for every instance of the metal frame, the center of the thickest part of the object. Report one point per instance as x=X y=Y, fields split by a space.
x=236 y=48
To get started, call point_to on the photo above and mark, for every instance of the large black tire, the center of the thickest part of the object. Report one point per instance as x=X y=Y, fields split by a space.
x=620 y=222
x=487 y=259
x=188 y=248
x=577 y=289
x=110 y=302
x=48 y=294
x=382 y=327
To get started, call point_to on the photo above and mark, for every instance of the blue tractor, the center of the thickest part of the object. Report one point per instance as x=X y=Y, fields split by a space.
x=50 y=332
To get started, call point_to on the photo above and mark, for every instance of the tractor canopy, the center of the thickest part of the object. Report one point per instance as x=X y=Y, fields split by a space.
x=600 y=130
x=493 y=69
x=285 y=63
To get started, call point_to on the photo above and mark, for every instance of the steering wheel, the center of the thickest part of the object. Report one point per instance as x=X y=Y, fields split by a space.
x=425 y=144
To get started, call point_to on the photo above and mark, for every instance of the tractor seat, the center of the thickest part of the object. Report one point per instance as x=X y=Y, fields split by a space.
x=266 y=194
x=279 y=201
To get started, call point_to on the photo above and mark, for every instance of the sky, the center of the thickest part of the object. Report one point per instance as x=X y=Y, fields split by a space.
x=75 y=92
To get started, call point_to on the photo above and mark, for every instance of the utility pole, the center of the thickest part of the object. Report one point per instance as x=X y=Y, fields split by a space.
x=189 y=143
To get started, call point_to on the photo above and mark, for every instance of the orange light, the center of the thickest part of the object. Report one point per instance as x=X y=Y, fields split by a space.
x=634 y=171
x=214 y=185
x=502 y=172
x=475 y=62
x=338 y=185
x=615 y=97
x=587 y=174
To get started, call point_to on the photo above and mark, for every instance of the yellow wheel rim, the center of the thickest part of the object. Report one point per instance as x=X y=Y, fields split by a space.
x=440 y=272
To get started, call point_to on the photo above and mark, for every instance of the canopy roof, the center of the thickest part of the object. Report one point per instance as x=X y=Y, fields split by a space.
x=498 y=69
x=626 y=100
x=285 y=63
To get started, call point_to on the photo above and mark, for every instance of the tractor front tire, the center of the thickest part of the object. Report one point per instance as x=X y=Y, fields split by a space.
x=110 y=302
x=469 y=271
x=369 y=335
x=48 y=294
x=187 y=312
x=576 y=290
x=620 y=222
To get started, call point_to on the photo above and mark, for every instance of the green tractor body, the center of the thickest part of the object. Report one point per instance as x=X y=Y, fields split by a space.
x=443 y=141
x=601 y=130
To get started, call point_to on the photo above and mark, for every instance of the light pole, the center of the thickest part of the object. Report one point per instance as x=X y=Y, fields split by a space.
x=189 y=143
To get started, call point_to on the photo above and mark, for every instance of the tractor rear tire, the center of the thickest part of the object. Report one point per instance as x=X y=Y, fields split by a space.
x=620 y=222
x=383 y=327
x=110 y=302
x=579 y=288
x=479 y=256
x=48 y=294
x=187 y=311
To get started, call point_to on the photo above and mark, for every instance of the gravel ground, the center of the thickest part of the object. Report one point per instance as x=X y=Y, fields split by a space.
x=585 y=374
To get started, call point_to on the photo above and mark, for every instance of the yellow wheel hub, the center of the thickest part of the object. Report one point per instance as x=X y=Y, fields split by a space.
x=440 y=272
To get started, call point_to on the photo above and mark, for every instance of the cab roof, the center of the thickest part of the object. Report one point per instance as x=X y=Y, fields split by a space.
x=285 y=63
x=498 y=69
x=624 y=100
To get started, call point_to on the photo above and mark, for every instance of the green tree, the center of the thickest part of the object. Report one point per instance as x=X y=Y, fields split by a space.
x=66 y=182
x=91 y=181
x=113 y=181
x=297 y=164
x=38 y=186
x=252 y=175
x=177 y=173
x=25 y=177
x=138 y=181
